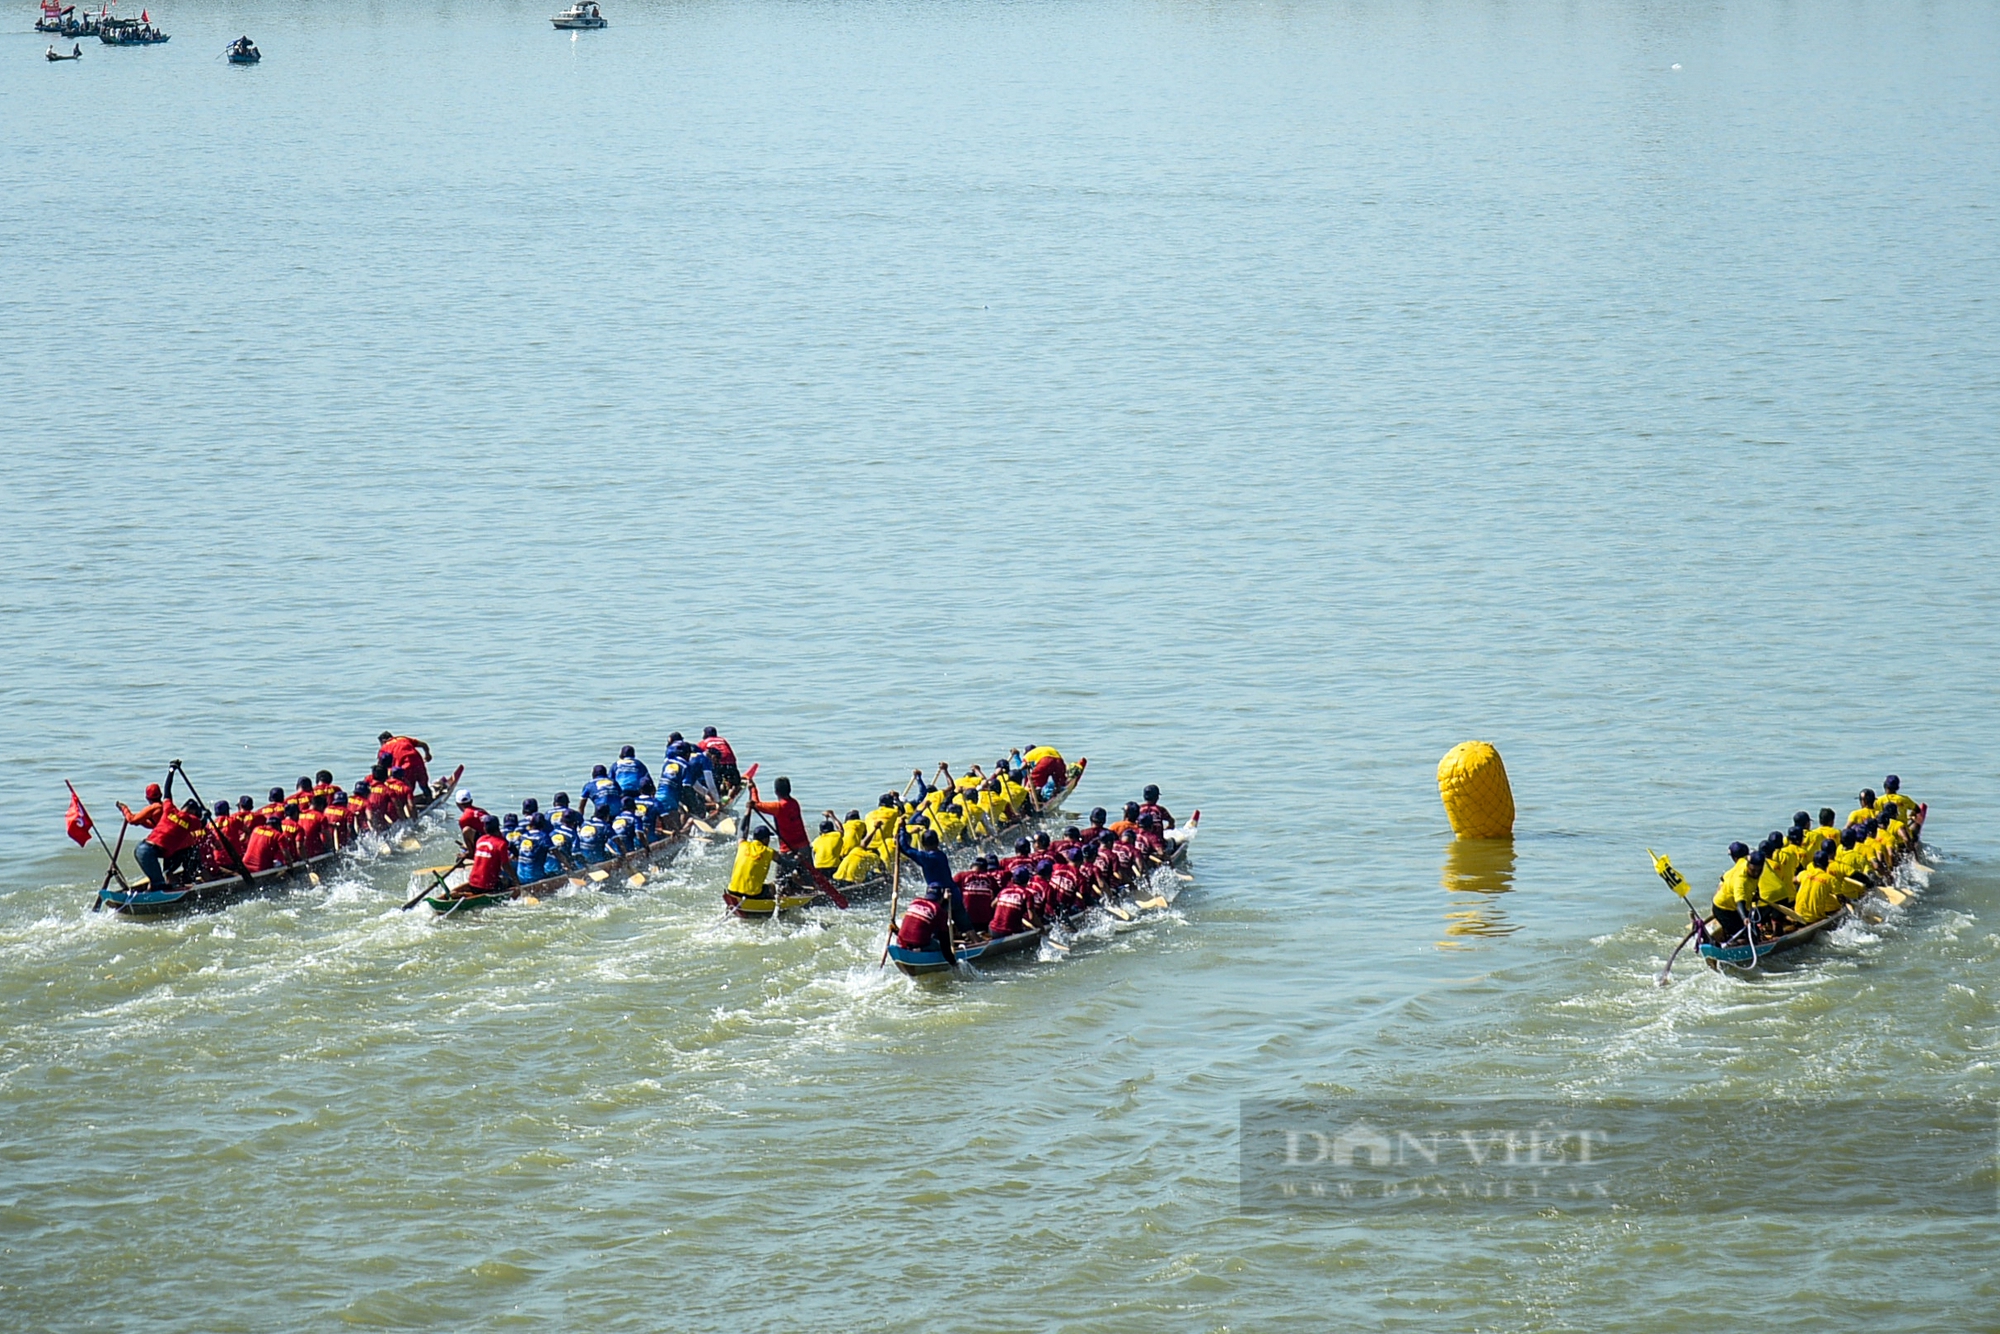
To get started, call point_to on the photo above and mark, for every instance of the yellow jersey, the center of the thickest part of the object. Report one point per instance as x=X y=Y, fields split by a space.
x=753 y=863
x=1860 y=813
x=1771 y=886
x=1787 y=861
x=950 y=826
x=1906 y=805
x=1732 y=888
x=880 y=817
x=857 y=866
x=1818 y=894
x=1819 y=835
x=852 y=835
x=826 y=849
x=1040 y=753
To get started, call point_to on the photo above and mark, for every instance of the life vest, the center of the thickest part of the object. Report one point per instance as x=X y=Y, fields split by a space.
x=919 y=924
x=1731 y=890
x=753 y=863
x=1817 y=896
x=673 y=777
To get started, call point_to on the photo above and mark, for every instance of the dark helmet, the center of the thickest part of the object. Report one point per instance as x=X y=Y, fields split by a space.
x=1097 y=815
x=625 y=753
x=1022 y=847
x=707 y=732
x=222 y=808
x=827 y=826
x=1131 y=810
x=530 y=806
x=323 y=776
x=246 y=803
x=539 y=821
x=930 y=840
x=573 y=819
x=562 y=798
x=1738 y=851
x=599 y=771
x=761 y=834
x=854 y=815
x=512 y=820
x=1044 y=866
x=1892 y=785
x=277 y=794
x=1824 y=856
x=1800 y=820
x=1756 y=862
x=629 y=804
x=303 y=785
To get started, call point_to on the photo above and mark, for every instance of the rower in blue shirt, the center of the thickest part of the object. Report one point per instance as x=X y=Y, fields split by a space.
x=562 y=841
x=533 y=856
x=629 y=772
x=591 y=837
x=647 y=806
x=625 y=835
x=601 y=794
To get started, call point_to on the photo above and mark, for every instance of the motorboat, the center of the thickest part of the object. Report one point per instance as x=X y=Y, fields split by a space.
x=582 y=14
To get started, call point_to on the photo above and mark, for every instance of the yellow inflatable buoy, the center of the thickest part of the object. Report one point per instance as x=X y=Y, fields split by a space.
x=1473 y=783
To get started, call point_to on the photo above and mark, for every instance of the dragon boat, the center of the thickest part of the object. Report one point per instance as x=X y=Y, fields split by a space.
x=795 y=893
x=1742 y=954
x=134 y=900
x=445 y=897
x=981 y=945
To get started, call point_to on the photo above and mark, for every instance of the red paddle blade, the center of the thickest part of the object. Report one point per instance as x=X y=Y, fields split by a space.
x=751 y=772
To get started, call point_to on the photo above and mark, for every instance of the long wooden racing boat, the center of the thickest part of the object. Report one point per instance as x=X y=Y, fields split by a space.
x=982 y=946
x=446 y=897
x=877 y=886
x=1739 y=953
x=138 y=901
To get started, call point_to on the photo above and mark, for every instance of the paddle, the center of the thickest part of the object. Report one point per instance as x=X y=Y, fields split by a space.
x=216 y=834
x=895 y=879
x=1674 y=881
x=708 y=830
x=440 y=872
x=1897 y=898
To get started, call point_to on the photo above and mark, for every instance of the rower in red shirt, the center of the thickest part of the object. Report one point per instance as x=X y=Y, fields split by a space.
x=490 y=860
x=265 y=849
x=723 y=757
x=148 y=815
x=408 y=754
x=1011 y=907
x=379 y=802
x=471 y=821
x=921 y=926
x=1151 y=806
x=339 y=821
x=401 y=796
x=288 y=832
x=323 y=784
x=315 y=835
x=168 y=851
x=791 y=823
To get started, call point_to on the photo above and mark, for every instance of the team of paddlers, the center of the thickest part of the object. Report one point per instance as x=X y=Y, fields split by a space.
x=1809 y=872
x=621 y=809
x=185 y=843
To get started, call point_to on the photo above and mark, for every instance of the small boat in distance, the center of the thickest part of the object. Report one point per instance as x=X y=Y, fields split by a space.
x=582 y=14
x=131 y=32
x=243 y=51
x=76 y=54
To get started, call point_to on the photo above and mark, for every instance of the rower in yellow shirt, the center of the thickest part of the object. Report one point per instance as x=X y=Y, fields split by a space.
x=753 y=864
x=1785 y=862
x=1892 y=792
x=853 y=832
x=1865 y=809
x=826 y=845
x=858 y=865
x=884 y=814
x=1826 y=832
x=1850 y=865
x=1774 y=889
x=949 y=822
x=1818 y=892
x=1730 y=893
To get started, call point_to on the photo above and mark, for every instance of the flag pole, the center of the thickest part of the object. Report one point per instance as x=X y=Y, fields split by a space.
x=123 y=883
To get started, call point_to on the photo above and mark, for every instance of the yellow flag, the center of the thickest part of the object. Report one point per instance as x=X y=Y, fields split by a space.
x=1665 y=870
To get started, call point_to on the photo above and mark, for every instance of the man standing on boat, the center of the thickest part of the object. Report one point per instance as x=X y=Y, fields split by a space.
x=791 y=823
x=410 y=755
x=935 y=863
x=723 y=757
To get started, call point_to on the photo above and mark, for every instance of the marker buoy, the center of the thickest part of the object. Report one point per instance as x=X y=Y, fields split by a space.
x=1477 y=799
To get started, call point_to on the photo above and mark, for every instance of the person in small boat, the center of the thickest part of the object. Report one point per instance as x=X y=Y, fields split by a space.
x=590 y=840
x=1046 y=770
x=314 y=834
x=930 y=858
x=922 y=924
x=753 y=864
x=491 y=867
x=1128 y=820
x=1824 y=833
x=826 y=844
x=1818 y=892
x=600 y=796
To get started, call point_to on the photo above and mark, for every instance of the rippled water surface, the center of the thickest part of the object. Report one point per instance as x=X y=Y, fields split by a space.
x=1255 y=398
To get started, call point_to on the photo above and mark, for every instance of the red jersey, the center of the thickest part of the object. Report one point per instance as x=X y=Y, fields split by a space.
x=399 y=799
x=146 y=816
x=378 y=807
x=174 y=831
x=1010 y=911
x=471 y=820
x=264 y=851
x=339 y=825
x=314 y=834
x=402 y=753
x=786 y=815
x=919 y=924
x=489 y=860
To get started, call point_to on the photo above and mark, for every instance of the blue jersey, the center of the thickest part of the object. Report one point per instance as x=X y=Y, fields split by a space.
x=628 y=774
x=562 y=849
x=673 y=777
x=590 y=840
x=648 y=811
x=701 y=769
x=624 y=832
x=601 y=795
x=532 y=857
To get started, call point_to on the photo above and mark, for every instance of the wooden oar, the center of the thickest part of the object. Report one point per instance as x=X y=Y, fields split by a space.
x=1661 y=979
x=895 y=881
x=1897 y=898
x=1679 y=885
x=440 y=872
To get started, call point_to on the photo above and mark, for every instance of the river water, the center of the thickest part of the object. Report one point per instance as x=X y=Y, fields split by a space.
x=1257 y=399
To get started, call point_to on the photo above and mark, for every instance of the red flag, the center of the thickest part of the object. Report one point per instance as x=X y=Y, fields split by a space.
x=144 y=17
x=79 y=820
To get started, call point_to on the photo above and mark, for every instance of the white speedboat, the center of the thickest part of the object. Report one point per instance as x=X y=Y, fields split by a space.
x=582 y=14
